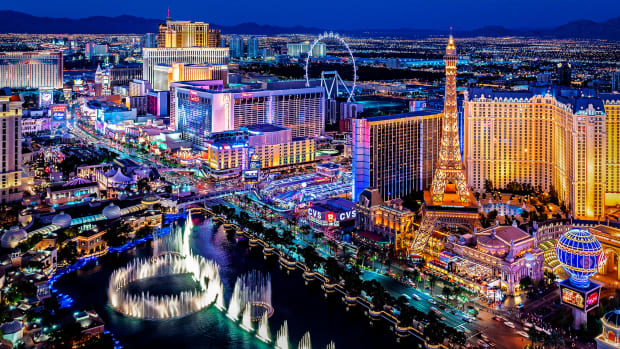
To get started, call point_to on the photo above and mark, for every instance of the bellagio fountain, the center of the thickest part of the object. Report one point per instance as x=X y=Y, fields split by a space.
x=172 y=256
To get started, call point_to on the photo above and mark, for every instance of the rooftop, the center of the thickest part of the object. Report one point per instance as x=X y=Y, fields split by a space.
x=425 y=112
x=264 y=128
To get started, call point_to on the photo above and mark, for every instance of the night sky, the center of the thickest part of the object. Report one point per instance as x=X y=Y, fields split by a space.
x=342 y=14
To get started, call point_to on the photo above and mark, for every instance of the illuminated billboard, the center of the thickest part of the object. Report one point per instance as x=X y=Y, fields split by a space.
x=329 y=218
x=59 y=111
x=46 y=96
x=251 y=174
x=580 y=298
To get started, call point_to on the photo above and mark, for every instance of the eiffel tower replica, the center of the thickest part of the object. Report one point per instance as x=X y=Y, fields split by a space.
x=449 y=201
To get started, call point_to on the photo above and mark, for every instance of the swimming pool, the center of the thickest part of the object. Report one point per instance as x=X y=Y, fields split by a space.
x=502 y=209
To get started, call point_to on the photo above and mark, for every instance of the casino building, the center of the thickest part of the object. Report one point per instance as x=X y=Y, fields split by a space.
x=547 y=138
x=31 y=69
x=395 y=154
x=165 y=74
x=198 y=109
x=187 y=55
x=228 y=153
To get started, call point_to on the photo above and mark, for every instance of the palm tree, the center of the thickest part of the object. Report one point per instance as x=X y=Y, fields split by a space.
x=432 y=279
x=362 y=251
x=333 y=246
x=446 y=292
x=415 y=276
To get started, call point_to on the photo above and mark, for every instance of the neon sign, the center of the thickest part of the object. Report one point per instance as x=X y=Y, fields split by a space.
x=193 y=96
x=572 y=297
x=592 y=300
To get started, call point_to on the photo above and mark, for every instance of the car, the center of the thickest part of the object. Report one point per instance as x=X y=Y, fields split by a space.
x=406 y=296
x=484 y=336
x=432 y=301
x=436 y=311
x=523 y=334
x=497 y=318
x=441 y=306
x=483 y=344
x=442 y=297
x=527 y=324
x=415 y=296
x=467 y=318
x=509 y=324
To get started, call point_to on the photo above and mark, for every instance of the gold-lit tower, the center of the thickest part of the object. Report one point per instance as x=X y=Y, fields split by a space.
x=449 y=166
x=449 y=201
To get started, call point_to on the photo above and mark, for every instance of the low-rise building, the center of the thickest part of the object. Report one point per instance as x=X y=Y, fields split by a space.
x=332 y=216
x=387 y=219
x=73 y=191
x=90 y=241
x=507 y=253
x=229 y=152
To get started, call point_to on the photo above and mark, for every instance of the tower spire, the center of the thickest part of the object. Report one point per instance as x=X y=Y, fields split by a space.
x=449 y=166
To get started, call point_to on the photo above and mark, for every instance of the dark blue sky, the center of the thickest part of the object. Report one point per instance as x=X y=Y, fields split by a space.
x=343 y=14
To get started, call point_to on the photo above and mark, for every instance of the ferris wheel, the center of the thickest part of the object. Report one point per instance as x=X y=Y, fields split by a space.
x=337 y=37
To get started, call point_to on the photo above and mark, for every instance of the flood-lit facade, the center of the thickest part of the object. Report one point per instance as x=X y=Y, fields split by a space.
x=187 y=55
x=395 y=153
x=31 y=69
x=200 y=111
x=10 y=148
x=187 y=34
x=534 y=137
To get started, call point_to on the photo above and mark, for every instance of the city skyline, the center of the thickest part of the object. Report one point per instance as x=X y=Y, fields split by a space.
x=364 y=15
x=173 y=186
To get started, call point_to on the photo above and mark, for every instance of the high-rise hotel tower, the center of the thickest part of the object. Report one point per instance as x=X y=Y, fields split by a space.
x=187 y=34
x=31 y=69
x=10 y=148
x=546 y=140
x=183 y=42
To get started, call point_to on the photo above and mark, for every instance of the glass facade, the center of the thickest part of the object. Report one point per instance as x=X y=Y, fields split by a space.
x=199 y=112
x=395 y=154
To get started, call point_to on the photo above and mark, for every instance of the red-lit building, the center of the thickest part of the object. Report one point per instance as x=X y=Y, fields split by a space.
x=332 y=216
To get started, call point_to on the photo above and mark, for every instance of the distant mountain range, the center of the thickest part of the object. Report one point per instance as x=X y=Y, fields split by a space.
x=19 y=22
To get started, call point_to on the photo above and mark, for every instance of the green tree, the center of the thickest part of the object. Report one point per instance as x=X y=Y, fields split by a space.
x=491 y=216
x=68 y=252
x=143 y=231
x=143 y=185
x=432 y=279
x=447 y=292
x=525 y=282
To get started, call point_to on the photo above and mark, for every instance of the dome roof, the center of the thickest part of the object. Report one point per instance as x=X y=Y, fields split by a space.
x=612 y=318
x=580 y=253
x=62 y=219
x=11 y=327
x=11 y=238
x=150 y=199
x=529 y=257
x=111 y=211
x=492 y=243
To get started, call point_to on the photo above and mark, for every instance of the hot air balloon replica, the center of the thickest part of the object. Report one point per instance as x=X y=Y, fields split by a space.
x=580 y=254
